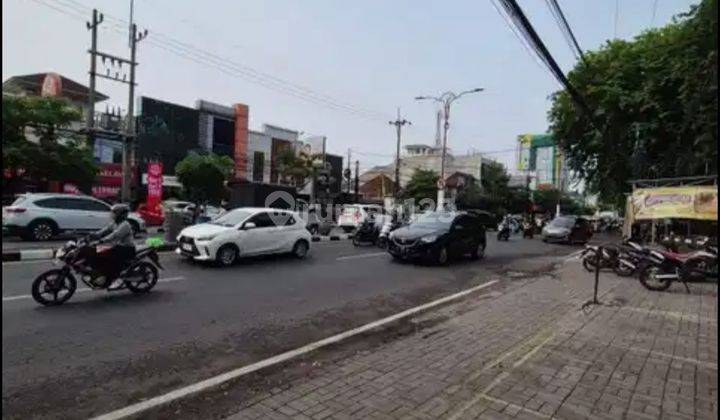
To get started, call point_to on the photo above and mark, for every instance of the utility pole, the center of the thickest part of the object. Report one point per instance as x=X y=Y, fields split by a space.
x=120 y=64
x=398 y=123
x=97 y=19
x=348 y=172
x=129 y=143
x=357 y=179
x=446 y=99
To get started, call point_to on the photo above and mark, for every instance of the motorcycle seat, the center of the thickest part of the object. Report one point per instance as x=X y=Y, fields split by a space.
x=678 y=256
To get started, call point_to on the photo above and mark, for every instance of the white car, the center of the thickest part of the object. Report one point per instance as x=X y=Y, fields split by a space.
x=40 y=216
x=245 y=232
x=353 y=215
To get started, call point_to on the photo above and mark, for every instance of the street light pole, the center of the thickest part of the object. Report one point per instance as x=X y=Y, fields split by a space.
x=446 y=99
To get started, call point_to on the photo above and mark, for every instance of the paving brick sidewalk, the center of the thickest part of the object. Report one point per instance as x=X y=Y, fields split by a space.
x=529 y=353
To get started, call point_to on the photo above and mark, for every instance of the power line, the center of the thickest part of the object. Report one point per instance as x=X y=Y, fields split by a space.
x=565 y=28
x=202 y=57
x=522 y=41
x=654 y=12
x=521 y=21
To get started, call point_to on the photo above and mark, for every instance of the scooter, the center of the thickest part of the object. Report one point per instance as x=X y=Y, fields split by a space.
x=367 y=233
x=54 y=287
x=503 y=232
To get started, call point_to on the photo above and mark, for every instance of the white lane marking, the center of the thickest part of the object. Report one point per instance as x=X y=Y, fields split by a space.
x=282 y=357
x=85 y=289
x=352 y=257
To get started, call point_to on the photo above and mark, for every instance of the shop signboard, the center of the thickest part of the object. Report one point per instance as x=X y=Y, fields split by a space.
x=699 y=203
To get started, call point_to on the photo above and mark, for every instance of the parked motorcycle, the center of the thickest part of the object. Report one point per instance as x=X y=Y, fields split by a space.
x=631 y=259
x=592 y=257
x=366 y=233
x=56 y=286
x=663 y=267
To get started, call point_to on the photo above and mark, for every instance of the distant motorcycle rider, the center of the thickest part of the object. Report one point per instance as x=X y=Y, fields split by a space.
x=119 y=235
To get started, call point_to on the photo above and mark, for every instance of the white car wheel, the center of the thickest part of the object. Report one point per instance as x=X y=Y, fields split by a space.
x=227 y=255
x=300 y=250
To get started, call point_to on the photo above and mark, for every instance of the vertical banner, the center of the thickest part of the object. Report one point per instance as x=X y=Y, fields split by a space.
x=241 y=141
x=154 y=183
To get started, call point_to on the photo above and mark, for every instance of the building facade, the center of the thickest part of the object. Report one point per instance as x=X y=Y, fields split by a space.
x=541 y=159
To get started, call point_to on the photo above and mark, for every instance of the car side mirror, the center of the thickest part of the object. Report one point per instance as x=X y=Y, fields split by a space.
x=249 y=225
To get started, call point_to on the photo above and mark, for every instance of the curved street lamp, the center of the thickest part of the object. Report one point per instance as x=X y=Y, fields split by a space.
x=446 y=99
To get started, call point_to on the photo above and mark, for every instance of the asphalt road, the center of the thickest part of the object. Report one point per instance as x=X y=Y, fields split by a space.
x=102 y=351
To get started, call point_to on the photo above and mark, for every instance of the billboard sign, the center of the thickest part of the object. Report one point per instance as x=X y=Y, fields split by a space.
x=699 y=203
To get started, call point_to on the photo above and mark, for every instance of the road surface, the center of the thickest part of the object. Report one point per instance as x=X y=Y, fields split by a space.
x=101 y=351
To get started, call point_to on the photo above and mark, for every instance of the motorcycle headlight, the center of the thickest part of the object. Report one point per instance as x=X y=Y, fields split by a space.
x=428 y=239
x=60 y=253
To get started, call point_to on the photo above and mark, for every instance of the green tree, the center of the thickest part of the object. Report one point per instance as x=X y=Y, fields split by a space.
x=655 y=101
x=203 y=177
x=422 y=186
x=55 y=154
x=495 y=180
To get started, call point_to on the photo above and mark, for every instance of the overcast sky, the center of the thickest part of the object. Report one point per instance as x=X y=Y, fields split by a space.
x=366 y=57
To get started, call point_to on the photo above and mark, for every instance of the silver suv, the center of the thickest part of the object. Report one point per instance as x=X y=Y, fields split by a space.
x=40 y=216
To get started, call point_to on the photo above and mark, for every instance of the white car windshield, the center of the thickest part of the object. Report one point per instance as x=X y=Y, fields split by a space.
x=232 y=218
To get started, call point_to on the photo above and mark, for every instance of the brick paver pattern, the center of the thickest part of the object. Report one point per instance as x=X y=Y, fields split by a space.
x=529 y=353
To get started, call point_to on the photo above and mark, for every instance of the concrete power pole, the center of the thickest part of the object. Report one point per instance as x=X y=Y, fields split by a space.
x=129 y=144
x=398 y=123
x=120 y=63
x=97 y=19
x=348 y=172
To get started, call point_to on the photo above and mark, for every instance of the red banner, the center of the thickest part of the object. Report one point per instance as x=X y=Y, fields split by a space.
x=154 y=183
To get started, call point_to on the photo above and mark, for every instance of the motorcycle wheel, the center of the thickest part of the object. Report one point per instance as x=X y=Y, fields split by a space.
x=47 y=287
x=147 y=276
x=355 y=240
x=623 y=270
x=647 y=279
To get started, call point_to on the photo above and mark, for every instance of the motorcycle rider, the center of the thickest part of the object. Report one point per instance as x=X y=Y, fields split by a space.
x=504 y=228
x=119 y=234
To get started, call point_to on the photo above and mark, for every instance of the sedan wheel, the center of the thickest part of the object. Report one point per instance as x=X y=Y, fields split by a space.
x=227 y=255
x=300 y=250
x=479 y=252
x=442 y=256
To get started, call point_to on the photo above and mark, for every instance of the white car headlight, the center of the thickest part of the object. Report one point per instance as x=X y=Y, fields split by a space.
x=428 y=239
x=205 y=238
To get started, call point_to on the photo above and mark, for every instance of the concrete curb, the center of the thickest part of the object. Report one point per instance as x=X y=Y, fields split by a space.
x=28 y=254
x=331 y=238
x=48 y=254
